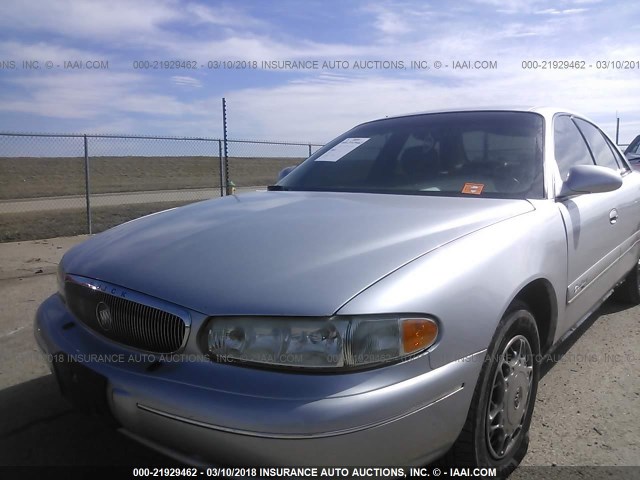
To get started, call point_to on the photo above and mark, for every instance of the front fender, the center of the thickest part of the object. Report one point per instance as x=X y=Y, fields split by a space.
x=469 y=283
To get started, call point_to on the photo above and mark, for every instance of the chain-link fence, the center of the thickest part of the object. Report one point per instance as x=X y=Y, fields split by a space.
x=58 y=185
x=256 y=164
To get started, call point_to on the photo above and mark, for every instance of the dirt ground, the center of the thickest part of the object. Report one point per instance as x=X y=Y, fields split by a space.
x=587 y=412
x=33 y=177
x=30 y=225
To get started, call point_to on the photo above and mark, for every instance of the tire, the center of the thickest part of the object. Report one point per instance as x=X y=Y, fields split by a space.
x=479 y=443
x=629 y=290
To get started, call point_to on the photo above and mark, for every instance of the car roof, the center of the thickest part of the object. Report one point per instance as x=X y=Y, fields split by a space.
x=546 y=111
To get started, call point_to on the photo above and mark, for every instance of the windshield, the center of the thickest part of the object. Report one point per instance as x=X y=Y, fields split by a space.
x=482 y=154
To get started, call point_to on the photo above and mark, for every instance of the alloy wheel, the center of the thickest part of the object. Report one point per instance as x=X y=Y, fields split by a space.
x=509 y=396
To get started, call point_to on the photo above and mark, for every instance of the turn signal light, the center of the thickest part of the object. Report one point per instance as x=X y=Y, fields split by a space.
x=418 y=334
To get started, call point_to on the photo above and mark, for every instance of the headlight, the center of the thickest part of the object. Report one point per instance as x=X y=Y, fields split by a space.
x=329 y=343
x=60 y=277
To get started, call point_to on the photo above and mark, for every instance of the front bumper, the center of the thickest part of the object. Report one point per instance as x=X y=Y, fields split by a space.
x=242 y=416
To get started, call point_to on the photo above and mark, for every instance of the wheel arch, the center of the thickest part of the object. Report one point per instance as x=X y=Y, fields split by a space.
x=540 y=296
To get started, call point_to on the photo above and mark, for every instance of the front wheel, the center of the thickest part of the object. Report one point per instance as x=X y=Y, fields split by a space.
x=496 y=432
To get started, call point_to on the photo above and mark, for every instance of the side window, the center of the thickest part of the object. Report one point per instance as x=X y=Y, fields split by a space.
x=569 y=146
x=621 y=162
x=601 y=152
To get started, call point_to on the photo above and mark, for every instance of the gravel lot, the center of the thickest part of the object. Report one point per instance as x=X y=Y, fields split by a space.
x=587 y=412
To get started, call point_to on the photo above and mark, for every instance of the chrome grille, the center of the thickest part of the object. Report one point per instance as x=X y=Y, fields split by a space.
x=131 y=323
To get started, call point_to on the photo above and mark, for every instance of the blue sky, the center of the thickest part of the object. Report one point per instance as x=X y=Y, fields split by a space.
x=310 y=105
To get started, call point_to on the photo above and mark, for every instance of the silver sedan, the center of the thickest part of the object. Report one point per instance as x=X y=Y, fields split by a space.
x=387 y=302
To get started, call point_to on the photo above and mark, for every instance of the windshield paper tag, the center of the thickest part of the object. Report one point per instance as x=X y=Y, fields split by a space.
x=473 y=188
x=340 y=150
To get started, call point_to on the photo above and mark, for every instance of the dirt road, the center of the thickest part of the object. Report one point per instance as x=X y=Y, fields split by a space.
x=113 y=199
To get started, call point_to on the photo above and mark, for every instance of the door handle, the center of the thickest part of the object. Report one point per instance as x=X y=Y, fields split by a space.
x=613 y=216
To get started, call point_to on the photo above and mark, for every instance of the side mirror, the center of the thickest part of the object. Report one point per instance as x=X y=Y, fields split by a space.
x=590 y=179
x=284 y=172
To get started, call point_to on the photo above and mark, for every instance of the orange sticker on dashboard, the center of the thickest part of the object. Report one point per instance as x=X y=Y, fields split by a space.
x=473 y=188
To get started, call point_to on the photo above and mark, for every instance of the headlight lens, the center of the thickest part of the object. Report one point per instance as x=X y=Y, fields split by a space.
x=60 y=278
x=338 y=342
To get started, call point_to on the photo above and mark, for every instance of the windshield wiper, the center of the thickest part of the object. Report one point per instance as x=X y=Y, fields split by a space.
x=276 y=188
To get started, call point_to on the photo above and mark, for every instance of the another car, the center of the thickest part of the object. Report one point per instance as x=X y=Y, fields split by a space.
x=387 y=302
x=632 y=152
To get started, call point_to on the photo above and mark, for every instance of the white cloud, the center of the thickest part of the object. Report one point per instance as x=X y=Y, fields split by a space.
x=186 y=81
x=548 y=7
x=511 y=6
x=139 y=24
x=113 y=19
x=260 y=47
x=44 y=51
x=221 y=15
x=566 y=11
x=85 y=95
x=390 y=20
x=118 y=125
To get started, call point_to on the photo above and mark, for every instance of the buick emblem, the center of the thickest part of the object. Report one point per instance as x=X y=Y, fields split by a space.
x=103 y=314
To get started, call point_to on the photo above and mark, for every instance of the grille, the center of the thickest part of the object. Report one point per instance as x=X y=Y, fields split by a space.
x=131 y=323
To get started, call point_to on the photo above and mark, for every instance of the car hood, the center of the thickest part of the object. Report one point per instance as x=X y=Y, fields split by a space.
x=279 y=253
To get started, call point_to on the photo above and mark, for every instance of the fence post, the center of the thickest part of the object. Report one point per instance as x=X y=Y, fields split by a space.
x=226 y=148
x=221 y=168
x=309 y=149
x=86 y=184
